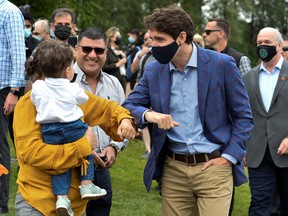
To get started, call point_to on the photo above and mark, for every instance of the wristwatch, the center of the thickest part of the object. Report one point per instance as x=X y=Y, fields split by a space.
x=14 y=92
x=116 y=148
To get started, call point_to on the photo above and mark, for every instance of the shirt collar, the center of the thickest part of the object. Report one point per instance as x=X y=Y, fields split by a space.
x=192 y=61
x=278 y=65
x=81 y=75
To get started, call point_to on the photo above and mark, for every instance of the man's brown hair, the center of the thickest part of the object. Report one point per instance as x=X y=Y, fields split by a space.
x=171 y=20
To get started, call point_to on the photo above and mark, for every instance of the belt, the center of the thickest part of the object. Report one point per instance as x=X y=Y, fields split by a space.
x=194 y=159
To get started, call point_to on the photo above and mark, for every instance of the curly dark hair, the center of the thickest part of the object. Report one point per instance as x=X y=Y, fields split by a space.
x=50 y=59
x=171 y=20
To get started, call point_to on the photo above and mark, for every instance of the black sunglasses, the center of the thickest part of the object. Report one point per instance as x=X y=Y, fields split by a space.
x=97 y=50
x=285 y=48
x=207 y=31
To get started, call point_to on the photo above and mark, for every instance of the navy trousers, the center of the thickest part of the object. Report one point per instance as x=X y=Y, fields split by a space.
x=264 y=182
x=102 y=206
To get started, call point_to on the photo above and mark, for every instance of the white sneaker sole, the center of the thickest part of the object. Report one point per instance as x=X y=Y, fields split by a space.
x=93 y=196
x=63 y=211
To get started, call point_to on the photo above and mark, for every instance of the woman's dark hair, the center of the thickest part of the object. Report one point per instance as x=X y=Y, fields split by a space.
x=171 y=20
x=50 y=59
x=140 y=40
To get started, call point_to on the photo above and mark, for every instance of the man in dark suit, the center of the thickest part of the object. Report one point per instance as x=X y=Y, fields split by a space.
x=267 y=149
x=199 y=106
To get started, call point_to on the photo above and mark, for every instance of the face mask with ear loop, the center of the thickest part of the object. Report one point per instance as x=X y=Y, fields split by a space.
x=266 y=53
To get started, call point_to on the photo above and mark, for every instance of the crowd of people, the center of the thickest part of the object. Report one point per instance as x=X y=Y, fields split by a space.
x=202 y=111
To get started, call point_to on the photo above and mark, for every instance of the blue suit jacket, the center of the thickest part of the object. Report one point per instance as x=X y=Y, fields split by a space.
x=223 y=108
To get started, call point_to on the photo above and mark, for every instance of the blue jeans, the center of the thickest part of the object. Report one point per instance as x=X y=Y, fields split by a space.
x=101 y=206
x=61 y=133
x=264 y=182
x=4 y=150
x=61 y=183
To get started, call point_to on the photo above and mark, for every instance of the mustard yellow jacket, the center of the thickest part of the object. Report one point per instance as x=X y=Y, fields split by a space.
x=38 y=161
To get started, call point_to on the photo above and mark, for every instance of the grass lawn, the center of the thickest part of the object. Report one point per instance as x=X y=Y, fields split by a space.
x=130 y=197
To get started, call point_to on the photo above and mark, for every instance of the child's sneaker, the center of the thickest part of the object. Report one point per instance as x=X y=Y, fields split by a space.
x=63 y=207
x=91 y=192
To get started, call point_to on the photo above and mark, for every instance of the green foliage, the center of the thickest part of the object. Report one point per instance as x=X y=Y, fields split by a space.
x=246 y=17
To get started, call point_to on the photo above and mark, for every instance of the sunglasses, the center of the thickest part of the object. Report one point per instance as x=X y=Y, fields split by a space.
x=97 y=50
x=285 y=48
x=208 y=32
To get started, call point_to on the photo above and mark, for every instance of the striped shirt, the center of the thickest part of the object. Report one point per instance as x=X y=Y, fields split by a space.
x=12 y=46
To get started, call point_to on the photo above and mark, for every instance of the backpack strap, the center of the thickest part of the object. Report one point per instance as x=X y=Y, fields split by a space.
x=144 y=61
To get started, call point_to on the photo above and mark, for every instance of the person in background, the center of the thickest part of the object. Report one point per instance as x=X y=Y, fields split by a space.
x=140 y=61
x=132 y=37
x=199 y=40
x=116 y=58
x=41 y=30
x=197 y=102
x=285 y=49
x=91 y=52
x=12 y=60
x=267 y=148
x=28 y=19
x=138 y=45
x=216 y=36
x=63 y=23
x=30 y=42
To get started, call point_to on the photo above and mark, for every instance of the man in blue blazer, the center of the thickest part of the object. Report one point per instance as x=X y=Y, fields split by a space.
x=199 y=106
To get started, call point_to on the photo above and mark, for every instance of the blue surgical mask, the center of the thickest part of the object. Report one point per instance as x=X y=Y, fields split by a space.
x=131 y=40
x=37 y=37
x=27 y=32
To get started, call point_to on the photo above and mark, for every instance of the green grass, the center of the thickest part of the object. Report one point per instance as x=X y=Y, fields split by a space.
x=130 y=197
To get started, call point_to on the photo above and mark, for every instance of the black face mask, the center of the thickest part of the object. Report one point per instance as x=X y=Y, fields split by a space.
x=165 y=54
x=62 y=32
x=266 y=53
x=118 y=40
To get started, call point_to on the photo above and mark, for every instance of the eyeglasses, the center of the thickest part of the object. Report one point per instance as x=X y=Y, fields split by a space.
x=97 y=50
x=285 y=48
x=208 y=32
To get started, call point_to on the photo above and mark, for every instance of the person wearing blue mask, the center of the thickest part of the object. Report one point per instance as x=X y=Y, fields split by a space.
x=30 y=42
x=132 y=36
x=41 y=30
x=199 y=107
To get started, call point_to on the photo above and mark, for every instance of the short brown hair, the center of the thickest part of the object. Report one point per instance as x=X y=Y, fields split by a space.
x=171 y=20
x=222 y=24
x=51 y=58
